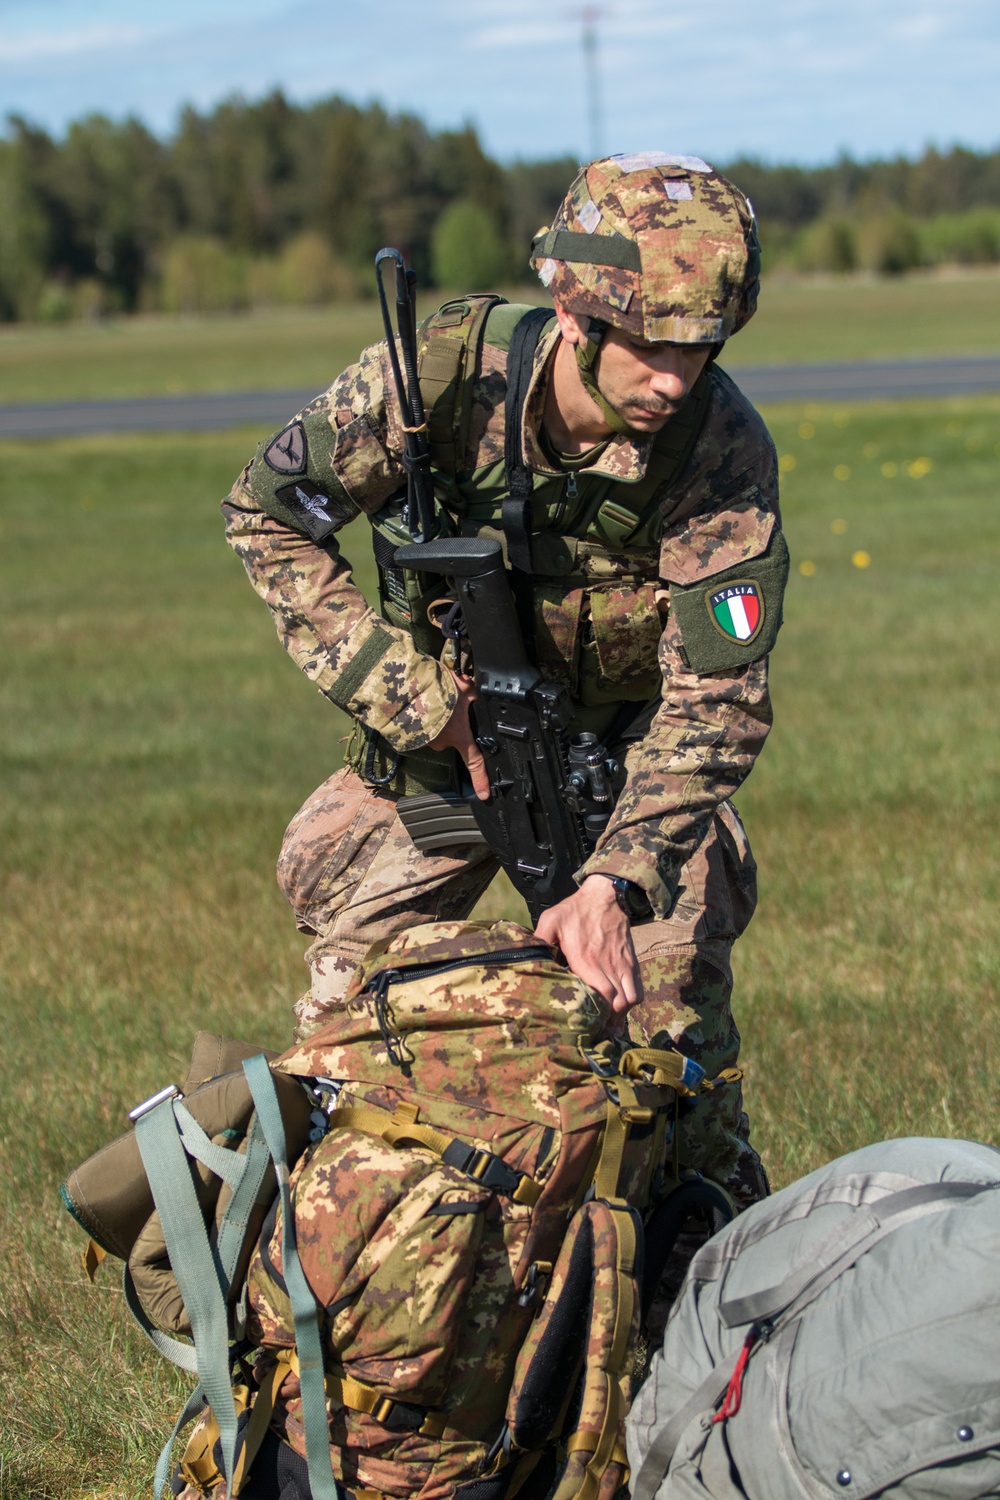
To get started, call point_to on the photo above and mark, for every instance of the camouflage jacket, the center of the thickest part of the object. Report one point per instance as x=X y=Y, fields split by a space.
x=720 y=527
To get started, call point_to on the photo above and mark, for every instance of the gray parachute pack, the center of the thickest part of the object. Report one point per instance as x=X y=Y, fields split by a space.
x=838 y=1339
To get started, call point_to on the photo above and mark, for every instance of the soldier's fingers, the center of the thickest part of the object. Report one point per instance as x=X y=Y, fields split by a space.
x=476 y=767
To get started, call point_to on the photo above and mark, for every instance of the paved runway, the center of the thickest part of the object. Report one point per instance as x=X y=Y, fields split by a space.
x=861 y=381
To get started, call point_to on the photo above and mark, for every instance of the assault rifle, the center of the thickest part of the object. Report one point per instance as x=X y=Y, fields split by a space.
x=551 y=795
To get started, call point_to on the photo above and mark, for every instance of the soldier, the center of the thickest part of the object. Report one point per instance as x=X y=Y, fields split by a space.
x=658 y=568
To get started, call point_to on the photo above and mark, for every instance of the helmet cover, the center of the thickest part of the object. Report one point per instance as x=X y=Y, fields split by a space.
x=682 y=262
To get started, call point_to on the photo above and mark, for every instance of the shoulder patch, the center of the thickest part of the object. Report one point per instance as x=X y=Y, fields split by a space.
x=316 y=501
x=733 y=618
x=317 y=513
x=737 y=609
x=288 y=453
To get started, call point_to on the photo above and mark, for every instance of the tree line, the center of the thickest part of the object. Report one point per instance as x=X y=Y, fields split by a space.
x=268 y=202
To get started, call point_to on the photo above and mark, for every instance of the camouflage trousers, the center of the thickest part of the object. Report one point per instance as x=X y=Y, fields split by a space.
x=353 y=878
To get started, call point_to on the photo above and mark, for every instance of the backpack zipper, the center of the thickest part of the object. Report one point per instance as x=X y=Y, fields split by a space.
x=429 y=969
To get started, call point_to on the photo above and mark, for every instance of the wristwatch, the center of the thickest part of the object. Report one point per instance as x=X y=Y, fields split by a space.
x=631 y=898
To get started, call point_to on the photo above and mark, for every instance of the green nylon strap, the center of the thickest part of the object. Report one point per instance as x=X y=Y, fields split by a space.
x=235 y=1223
x=225 y=1164
x=193 y=1407
x=193 y=1263
x=364 y=660
x=304 y=1310
x=589 y=249
x=183 y=1355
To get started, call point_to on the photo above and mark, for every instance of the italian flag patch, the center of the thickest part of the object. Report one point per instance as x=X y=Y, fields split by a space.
x=737 y=610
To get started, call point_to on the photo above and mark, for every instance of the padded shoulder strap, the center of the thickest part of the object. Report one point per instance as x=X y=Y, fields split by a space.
x=449 y=346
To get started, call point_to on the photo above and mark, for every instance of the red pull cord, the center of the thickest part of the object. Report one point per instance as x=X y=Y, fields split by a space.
x=734 y=1390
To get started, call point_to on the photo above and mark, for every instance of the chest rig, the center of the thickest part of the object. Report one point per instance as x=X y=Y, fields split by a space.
x=582 y=547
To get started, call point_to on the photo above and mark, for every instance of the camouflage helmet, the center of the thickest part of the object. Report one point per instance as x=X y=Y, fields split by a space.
x=661 y=246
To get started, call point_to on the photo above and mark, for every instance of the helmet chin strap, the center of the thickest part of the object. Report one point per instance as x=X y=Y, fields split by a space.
x=586 y=358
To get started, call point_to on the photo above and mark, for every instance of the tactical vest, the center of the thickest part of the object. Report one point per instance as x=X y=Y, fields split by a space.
x=594 y=540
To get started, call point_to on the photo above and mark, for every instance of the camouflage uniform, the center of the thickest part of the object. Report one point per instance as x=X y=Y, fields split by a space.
x=617 y=624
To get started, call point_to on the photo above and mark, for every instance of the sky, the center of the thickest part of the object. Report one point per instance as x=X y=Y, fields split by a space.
x=782 y=80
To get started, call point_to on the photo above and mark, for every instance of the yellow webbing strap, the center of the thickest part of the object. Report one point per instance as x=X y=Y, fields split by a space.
x=728 y=1075
x=609 y=1166
x=401 y=1129
x=667 y=1067
x=198 y=1465
x=260 y=1418
x=92 y=1257
x=344 y=1390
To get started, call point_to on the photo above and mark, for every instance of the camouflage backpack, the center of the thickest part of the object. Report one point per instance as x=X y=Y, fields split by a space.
x=469 y=1232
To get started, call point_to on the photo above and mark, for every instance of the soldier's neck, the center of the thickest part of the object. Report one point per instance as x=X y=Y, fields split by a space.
x=573 y=422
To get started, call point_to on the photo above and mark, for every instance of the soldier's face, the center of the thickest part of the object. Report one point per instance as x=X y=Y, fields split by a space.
x=646 y=383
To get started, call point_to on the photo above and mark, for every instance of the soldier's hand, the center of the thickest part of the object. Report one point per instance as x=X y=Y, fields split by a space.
x=593 y=933
x=457 y=735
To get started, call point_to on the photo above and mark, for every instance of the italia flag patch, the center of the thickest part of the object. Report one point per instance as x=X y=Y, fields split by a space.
x=737 y=610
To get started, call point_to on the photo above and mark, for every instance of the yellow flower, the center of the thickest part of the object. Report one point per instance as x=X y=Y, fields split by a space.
x=841 y=472
x=870 y=450
x=842 y=419
x=890 y=470
x=860 y=559
x=807 y=568
x=806 y=430
x=838 y=527
x=919 y=467
x=786 y=463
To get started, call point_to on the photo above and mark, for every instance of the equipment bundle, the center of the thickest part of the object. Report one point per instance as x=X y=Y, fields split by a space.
x=414 y=1253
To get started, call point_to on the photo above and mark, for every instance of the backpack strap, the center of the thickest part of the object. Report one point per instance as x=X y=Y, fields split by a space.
x=200 y=1277
x=579 y=1343
x=401 y=1129
x=305 y=1313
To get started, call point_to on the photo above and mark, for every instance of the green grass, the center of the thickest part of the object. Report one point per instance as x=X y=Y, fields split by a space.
x=844 y=318
x=834 y=319
x=156 y=741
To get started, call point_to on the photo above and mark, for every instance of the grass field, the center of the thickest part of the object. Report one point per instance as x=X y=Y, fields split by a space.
x=800 y=321
x=156 y=741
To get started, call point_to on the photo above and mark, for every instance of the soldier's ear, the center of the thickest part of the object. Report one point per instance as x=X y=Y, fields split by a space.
x=571 y=327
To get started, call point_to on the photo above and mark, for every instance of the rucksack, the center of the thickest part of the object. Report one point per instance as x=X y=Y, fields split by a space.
x=838 y=1339
x=467 y=1223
